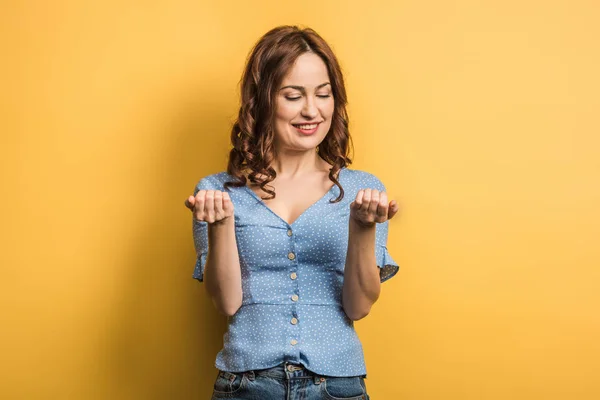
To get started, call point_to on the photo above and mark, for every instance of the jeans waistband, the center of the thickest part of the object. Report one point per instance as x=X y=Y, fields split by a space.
x=285 y=371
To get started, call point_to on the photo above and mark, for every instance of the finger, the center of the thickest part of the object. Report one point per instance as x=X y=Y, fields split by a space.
x=359 y=199
x=374 y=204
x=394 y=208
x=209 y=206
x=199 y=206
x=382 y=207
x=218 y=203
x=366 y=200
x=189 y=202
x=227 y=203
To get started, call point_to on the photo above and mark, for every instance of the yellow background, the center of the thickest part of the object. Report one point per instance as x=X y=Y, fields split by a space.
x=480 y=117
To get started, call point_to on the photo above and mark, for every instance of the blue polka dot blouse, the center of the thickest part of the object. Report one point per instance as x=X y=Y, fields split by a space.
x=292 y=277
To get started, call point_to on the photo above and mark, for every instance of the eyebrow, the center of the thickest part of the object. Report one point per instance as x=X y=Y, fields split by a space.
x=302 y=89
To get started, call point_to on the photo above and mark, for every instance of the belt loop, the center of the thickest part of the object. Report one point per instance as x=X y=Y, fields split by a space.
x=250 y=375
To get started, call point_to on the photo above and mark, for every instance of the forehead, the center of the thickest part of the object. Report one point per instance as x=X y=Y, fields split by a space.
x=309 y=70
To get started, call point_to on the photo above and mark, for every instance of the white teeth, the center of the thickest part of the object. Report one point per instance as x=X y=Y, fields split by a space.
x=307 y=127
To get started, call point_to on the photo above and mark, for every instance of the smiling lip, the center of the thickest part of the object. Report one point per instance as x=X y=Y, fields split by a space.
x=307 y=131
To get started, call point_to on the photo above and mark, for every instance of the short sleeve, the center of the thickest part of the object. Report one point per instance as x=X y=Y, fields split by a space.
x=386 y=264
x=200 y=233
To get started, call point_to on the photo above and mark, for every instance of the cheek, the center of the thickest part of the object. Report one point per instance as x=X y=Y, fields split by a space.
x=327 y=109
x=286 y=112
x=326 y=126
x=327 y=112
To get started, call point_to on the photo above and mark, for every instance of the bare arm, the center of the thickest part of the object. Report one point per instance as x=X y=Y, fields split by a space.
x=362 y=281
x=362 y=285
x=222 y=274
x=216 y=239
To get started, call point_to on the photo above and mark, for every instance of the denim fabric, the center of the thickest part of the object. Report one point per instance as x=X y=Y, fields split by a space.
x=287 y=381
x=292 y=279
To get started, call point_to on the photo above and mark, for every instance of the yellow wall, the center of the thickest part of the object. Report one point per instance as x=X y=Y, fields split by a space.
x=481 y=117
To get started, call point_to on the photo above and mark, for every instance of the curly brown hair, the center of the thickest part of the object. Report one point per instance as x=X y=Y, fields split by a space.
x=252 y=134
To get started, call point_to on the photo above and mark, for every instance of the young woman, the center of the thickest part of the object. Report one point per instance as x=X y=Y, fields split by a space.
x=295 y=269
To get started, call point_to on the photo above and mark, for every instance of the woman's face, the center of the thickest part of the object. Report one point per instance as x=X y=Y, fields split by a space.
x=304 y=105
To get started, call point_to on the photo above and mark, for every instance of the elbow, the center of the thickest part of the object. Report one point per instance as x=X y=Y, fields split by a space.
x=357 y=309
x=226 y=300
x=356 y=315
x=230 y=311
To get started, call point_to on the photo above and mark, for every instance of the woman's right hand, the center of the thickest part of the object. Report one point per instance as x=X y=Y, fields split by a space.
x=212 y=206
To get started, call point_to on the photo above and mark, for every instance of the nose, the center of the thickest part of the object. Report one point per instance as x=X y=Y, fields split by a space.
x=309 y=110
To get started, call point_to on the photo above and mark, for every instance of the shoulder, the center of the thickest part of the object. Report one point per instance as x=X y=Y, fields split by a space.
x=364 y=179
x=212 y=182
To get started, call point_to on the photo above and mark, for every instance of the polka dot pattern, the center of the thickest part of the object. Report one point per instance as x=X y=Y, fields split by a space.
x=292 y=277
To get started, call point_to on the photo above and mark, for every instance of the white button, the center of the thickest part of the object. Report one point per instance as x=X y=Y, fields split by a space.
x=289 y=232
x=291 y=256
x=293 y=275
x=294 y=321
x=293 y=342
x=295 y=297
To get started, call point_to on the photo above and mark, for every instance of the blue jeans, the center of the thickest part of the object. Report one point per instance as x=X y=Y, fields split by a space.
x=287 y=381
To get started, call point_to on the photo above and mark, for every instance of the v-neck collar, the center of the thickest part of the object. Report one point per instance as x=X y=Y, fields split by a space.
x=303 y=212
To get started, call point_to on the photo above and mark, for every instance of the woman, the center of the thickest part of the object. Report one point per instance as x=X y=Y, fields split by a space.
x=294 y=270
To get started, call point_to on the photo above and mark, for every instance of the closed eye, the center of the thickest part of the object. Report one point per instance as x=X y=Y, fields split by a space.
x=296 y=98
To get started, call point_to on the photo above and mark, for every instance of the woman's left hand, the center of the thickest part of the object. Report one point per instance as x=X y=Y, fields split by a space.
x=371 y=207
